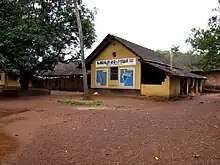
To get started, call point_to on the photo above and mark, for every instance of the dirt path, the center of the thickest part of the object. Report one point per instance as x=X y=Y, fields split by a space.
x=132 y=133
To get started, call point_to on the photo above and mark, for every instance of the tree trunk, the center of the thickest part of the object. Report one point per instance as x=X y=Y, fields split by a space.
x=85 y=82
x=24 y=80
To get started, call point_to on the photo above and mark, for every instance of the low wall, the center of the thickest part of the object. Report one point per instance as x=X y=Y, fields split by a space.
x=208 y=90
x=18 y=92
x=212 y=87
x=133 y=92
x=156 y=90
x=15 y=83
x=72 y=83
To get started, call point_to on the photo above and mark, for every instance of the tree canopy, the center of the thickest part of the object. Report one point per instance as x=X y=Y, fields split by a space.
x=176 y=53
x=206 y=42
x=187 y=59
x=37 y=34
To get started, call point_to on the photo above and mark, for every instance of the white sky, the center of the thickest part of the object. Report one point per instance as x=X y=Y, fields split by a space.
x=155 y=24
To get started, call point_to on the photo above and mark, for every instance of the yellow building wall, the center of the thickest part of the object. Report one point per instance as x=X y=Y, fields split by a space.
x=174 y=86
x=197 y=86
x=121 y=52
x=157 y=90
x=201 y=85
x=2 y=81
x=15 y=83
x=10 y=83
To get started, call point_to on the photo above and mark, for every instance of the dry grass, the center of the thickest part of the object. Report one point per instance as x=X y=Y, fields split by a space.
x=7 y=144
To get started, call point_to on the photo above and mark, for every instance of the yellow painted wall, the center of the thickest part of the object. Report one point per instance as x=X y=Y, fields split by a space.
x=10 y=83
x=15 y=83
x=2 y=81
x=170 y=86
x=157 y=90
x=197 y=86
x=121 y=52
x=174 y=86
x=201 y=85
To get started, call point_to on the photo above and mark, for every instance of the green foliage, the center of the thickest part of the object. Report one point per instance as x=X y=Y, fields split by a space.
x=176 y=53
x=189 y=60
x=82 y=103
x=37 y=34
x=207 y=42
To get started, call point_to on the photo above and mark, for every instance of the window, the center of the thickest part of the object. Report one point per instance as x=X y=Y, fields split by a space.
x=114 y=73
x=127 y=77
x=101 y=77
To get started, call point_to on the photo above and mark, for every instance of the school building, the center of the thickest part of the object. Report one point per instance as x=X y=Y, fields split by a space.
x=120 y=66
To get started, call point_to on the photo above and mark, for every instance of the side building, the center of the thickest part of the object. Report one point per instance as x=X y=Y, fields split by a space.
x=10 y=80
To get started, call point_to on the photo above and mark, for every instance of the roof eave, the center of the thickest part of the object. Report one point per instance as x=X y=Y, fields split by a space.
x=105 y=42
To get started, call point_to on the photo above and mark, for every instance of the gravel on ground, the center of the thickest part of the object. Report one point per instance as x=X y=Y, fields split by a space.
x=127 y=131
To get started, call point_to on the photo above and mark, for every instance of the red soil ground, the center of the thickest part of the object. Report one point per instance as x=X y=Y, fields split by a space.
x=126 y=131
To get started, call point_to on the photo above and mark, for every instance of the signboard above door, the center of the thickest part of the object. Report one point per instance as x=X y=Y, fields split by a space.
x=116 y=62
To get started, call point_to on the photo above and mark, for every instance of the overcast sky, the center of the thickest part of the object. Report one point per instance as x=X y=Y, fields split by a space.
x=155 y=24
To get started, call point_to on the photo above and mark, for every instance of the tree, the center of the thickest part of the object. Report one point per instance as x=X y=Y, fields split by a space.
x=188 y=60
x=85 y=82
x=176 y=54
x=173 y=50
x=37 y=34
x=207 y=42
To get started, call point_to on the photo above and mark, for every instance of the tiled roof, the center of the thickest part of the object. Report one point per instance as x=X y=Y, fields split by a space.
x=176 y=72
x=146 y=55
x=70 y=68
